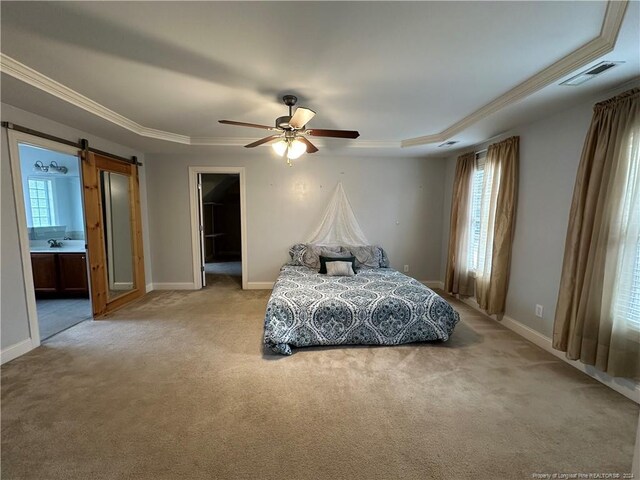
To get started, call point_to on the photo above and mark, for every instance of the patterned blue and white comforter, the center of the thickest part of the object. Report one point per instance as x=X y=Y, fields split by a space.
x=375 y=307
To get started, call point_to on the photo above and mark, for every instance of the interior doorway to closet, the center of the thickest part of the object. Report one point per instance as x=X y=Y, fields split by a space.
x=220 y=227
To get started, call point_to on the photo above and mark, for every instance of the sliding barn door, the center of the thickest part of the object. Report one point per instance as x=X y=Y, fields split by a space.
x=114 y=232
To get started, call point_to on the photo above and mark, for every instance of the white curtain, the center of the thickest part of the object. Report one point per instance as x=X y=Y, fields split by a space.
x=622 y=261
x=487 y=223
x=339 y=225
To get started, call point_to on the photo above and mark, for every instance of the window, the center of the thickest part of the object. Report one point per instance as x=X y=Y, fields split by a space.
x=476 y=203
x=626 y=291
x=479 y=218
x=41 y=200
x=627 y=301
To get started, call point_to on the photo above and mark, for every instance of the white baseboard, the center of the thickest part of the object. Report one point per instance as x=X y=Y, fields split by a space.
x=433 y=284
x=260 y=285
x=15 y=350
x=122 y=286
x=149 y=287
x=173 y=286
x=628 y=388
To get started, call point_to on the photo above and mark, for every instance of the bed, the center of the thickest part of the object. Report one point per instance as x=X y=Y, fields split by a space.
x=377 y=306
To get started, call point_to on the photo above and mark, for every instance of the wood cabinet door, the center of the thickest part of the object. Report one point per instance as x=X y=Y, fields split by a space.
x=72 y=269
x=45 y=272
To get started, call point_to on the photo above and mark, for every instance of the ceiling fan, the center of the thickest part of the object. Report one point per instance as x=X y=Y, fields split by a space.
x=291 y=132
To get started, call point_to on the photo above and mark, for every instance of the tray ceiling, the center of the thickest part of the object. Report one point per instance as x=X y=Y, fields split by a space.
x=392 y=70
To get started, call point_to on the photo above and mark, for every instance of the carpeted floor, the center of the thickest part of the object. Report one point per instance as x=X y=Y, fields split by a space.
x=177 y=386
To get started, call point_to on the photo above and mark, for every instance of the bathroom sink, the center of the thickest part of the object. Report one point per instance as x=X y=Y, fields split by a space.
x=68 y=246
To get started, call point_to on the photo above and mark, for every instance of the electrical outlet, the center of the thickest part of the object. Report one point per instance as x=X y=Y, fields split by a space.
x=406 y=268
x=539 y=310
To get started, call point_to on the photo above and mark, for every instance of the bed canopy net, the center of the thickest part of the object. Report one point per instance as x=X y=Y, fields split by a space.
x=339 y=225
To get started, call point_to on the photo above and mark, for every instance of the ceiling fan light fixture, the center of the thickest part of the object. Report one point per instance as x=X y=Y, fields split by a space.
x=296 y=149
x=280 y=147
x=289 y=135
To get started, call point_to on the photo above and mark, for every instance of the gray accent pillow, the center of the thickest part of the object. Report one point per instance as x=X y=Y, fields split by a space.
x=367 y=255
x=340 y=269
x=296 y=252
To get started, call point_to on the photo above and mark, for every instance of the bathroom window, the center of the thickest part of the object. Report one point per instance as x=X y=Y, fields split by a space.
x=41 y=199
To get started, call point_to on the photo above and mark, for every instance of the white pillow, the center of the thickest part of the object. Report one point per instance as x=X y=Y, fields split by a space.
x=340 y=269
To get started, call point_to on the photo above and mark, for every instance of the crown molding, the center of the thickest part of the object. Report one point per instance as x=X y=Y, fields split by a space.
x=162 y=135
x=221 y=141
x=376 y=144
x=241 y=141
x=32 y=77
x=28 y=75
x=590 y=51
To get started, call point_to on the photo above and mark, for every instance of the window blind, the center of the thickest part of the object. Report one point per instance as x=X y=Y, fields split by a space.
x=476 y=205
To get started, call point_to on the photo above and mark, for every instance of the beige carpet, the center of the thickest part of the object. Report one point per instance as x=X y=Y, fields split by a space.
x=177 y=386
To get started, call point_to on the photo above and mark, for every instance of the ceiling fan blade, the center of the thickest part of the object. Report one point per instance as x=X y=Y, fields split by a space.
x=301 y=117
x=320 y=132
x=262 y=140
x=243 y=124
x=311 y=148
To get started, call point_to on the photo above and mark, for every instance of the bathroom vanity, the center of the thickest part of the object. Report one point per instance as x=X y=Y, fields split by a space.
x=60 y=272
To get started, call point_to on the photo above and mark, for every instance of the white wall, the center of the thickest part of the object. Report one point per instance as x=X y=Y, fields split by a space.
x=14 y=324
x=550 y=151
x=14 y=327
x=398 y=203
x=450 y=171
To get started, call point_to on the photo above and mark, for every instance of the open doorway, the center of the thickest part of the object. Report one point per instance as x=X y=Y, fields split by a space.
x=54 y=215
x=218 y=226
x=221 y=238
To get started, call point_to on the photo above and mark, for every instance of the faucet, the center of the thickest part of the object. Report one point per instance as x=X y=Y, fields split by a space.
x=53 y=243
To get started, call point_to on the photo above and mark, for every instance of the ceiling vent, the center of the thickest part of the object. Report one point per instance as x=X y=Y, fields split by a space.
x=448 y=144
x=587 y=75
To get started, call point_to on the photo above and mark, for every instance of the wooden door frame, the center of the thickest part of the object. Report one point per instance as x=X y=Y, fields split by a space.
x=195 y=224
x=91 y=165
x=15 y=138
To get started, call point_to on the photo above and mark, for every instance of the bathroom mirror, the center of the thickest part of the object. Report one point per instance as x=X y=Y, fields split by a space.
x=52 y=190
x=116 y=214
